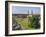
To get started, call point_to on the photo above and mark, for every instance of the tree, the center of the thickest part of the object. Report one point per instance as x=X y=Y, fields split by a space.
x=34 y=22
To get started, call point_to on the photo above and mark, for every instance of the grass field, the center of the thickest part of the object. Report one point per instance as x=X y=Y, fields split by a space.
x=24 y=22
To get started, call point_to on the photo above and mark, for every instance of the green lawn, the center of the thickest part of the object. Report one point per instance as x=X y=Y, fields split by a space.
x=23 y=22
x=26 y=24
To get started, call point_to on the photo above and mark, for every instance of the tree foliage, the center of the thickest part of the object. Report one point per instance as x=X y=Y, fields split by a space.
x=34 y=22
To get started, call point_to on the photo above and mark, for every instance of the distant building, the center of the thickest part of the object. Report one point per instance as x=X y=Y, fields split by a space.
x=30 y=15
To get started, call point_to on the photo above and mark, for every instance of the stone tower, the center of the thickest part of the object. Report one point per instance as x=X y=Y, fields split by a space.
x=30 y=15
x=32 y=12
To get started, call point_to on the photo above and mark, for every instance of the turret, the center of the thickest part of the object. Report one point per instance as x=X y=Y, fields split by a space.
x=32 y=12
x=30 y=15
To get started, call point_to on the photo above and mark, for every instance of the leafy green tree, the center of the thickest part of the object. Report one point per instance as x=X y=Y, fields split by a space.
x=34 y=22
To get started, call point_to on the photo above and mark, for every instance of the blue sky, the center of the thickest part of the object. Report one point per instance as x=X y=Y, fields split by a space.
x=24 y=10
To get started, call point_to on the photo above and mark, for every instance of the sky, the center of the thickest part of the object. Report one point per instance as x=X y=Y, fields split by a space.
x=24 y=10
